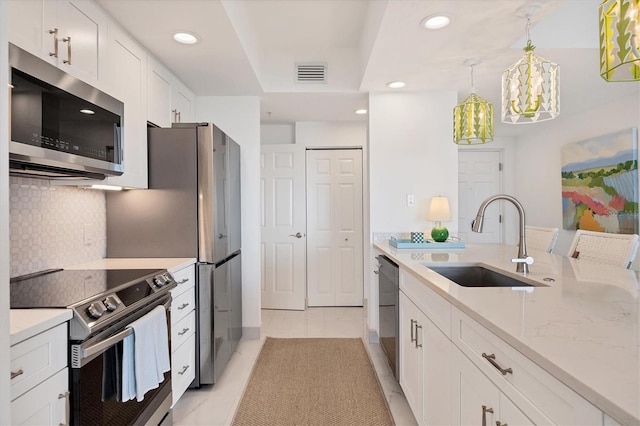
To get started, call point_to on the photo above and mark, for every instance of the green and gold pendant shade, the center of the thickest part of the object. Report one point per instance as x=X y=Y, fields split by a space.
x=473 y=118
x=530 y=88
x=619 y=40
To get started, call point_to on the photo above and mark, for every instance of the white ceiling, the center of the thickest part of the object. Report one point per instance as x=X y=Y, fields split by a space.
x=250 y=48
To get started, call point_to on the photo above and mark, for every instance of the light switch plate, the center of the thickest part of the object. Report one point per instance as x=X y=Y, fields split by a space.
x=411 y=200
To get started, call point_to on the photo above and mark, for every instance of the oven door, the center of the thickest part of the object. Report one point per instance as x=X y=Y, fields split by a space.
x=95 y=385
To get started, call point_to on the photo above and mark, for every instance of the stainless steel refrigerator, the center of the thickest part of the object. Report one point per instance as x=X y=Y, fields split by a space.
x=191 y=209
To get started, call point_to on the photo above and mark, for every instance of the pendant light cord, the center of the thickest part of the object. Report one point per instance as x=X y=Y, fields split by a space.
x=473 y=87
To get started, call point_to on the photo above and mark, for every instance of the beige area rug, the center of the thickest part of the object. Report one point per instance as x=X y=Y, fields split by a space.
x=321 y=381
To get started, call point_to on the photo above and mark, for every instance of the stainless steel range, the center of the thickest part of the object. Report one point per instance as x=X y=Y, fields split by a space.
x=104 y=303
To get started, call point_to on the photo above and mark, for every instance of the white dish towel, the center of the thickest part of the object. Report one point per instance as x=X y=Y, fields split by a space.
x=145 y=355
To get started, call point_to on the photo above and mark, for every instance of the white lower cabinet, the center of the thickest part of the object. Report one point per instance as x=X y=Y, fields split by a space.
x=425 y=367
x=453 y=370
x=40 y=379
x=477 y=401
x=183 y=327
x=45 y=404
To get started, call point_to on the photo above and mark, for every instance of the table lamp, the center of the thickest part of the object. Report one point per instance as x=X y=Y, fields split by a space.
x=439 y=211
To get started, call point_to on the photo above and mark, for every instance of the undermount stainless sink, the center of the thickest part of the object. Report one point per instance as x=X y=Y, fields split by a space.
x=479 y=276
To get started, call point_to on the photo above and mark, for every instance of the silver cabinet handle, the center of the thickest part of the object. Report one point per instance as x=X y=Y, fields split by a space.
x=485 y=410
x=179 y=116
x=67 y=408
x=418 y=345
x=412 y=323
x=55 y=42
x=183 y=332
x=15 y=374
x=184 y=370
x=492 y=359
x=297 y=235
x=181 y=307
x=498 y=423
x=68 y=41
x=182 y=281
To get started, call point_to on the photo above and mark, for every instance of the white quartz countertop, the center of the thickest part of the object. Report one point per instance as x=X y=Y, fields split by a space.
x=170 y=264
x=583 y=327
x=26 y=323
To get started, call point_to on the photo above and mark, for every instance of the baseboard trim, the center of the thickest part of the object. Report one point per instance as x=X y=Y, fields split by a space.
x=251 y=333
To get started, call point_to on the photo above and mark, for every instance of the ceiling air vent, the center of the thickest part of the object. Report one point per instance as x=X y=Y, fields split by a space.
x=311 y=73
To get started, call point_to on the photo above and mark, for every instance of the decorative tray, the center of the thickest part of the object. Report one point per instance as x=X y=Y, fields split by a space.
x=428 y=244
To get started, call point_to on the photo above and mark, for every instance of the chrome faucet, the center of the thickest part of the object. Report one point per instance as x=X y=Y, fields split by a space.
x=523 y=261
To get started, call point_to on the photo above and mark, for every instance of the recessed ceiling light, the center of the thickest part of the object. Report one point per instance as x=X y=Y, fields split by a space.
x=396 y=84
x=360 y=111
x=87 y=111
x=435 y=22
x=186 y=38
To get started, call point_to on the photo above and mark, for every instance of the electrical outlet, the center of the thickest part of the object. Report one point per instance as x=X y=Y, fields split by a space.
x=88 y=234
x=411 y=200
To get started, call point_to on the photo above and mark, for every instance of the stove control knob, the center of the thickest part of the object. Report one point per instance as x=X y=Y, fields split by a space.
x=159 y=281
x=96 y=309
x=111 y=303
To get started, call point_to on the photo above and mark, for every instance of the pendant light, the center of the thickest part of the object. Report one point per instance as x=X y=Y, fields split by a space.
x=531 y=86
x=473 y=118
x=620 y=40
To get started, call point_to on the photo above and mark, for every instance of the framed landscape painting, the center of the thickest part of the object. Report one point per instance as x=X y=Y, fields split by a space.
x=600 y=183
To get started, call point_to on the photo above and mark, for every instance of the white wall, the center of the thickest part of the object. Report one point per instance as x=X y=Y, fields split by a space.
x=5 y=363
x=274 y=134
x=537 y=161
x=239 y=117
x=332 y=134
x=411 y=150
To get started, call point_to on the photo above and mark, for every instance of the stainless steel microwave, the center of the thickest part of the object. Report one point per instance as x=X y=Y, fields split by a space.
x=61 y=127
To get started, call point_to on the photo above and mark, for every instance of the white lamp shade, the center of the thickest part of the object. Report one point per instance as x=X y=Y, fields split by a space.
x=439 y=210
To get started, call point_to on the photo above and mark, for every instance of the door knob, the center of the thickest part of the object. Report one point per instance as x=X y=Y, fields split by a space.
x=297 y=235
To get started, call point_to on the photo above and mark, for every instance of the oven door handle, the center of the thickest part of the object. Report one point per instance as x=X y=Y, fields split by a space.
x=101 y=346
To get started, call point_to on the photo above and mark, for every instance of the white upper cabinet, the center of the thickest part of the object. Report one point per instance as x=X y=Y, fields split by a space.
x=182 y=103
x=169 y=100
x=127 y=76
x=158 y=94
x=70 y=34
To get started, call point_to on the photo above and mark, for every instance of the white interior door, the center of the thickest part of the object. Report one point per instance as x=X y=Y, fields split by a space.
x=334 y=227
x=283 y=223
x=478 y=179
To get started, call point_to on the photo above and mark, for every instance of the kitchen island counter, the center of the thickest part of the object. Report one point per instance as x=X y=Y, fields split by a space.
x=581 y=324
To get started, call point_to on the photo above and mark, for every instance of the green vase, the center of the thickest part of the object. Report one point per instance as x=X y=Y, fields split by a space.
x=439 y=234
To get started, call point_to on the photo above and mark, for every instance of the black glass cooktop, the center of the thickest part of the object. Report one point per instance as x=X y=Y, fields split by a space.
x=63 y=288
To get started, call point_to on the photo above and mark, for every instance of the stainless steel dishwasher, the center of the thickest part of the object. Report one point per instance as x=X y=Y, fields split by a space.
x=388 y=298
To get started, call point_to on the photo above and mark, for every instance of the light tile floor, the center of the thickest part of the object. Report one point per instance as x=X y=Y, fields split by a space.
x=216 y=405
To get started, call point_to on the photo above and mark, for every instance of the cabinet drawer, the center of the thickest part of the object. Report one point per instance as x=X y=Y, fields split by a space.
x=38 y=358
x=181 y=331
x=45 y=404
x=183 y=362
x=434 y=306
x=186 y=279
x=182 y=305
x=540 y=395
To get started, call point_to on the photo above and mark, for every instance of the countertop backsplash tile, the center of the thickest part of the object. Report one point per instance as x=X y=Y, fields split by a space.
x=54 y=226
